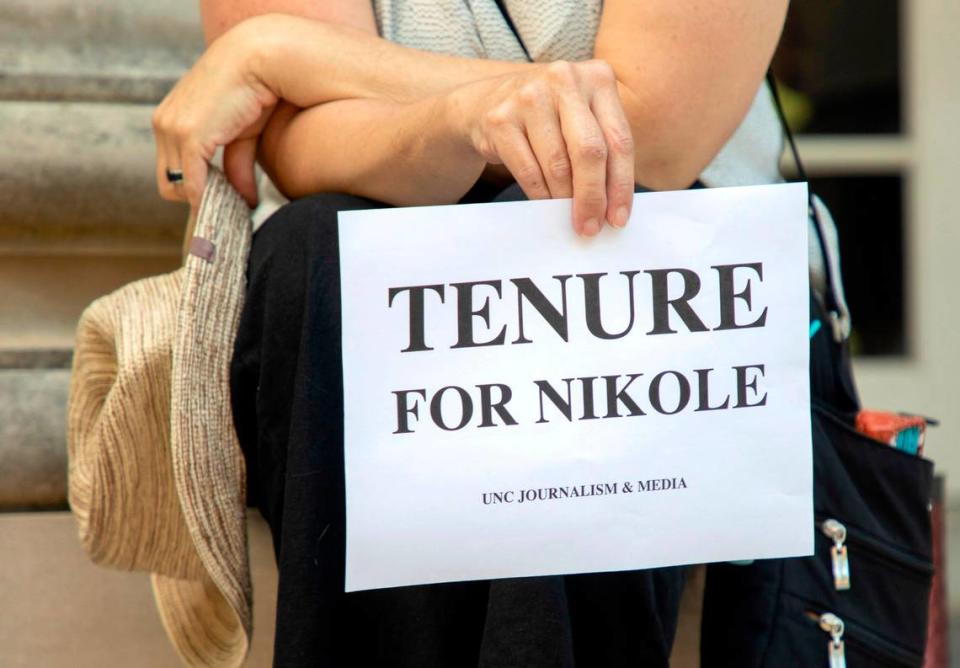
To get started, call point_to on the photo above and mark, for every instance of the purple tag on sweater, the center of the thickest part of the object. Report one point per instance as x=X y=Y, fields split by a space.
x=203 y=248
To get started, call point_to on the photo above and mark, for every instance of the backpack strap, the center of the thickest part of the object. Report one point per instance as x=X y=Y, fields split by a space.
x=501 y=5
x=832 y=303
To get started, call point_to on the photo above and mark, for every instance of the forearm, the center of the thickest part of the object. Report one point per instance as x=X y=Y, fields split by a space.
x=685 y=77
x=404 y=154
x=309 y=62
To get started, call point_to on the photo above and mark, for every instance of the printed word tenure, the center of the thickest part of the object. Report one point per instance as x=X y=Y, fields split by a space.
x=670 y=293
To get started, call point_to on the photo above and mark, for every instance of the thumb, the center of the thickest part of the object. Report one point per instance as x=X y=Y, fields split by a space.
x=239 y=157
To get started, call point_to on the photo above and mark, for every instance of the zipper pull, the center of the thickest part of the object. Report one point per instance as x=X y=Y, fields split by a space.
x=833 y=625
x=838 y=553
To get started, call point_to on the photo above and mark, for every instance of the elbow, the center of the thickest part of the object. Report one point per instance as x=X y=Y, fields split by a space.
x=672 y=151
x=672 y=157
x=269 y=160
x=667 y=172
x=675 y=135
x=274 y=154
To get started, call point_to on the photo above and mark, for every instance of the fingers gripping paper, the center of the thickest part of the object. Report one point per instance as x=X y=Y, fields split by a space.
x=520 y=401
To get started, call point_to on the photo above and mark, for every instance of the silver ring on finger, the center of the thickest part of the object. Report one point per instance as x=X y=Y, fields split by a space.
x=174 y=175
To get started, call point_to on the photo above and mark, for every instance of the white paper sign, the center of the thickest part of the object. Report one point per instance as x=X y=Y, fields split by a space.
x=520 y=401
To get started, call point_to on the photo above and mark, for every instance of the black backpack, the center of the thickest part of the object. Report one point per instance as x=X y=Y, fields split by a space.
x=862 y=598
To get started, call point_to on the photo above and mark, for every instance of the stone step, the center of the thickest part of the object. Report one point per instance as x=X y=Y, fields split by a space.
x=43 y=296
x=79 y=211
x=33 y=456
x=79 y=178
x=50 y=358
x=62 y=611
x=95 y=50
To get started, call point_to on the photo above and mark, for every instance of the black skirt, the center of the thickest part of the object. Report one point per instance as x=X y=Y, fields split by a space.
x=287 y=402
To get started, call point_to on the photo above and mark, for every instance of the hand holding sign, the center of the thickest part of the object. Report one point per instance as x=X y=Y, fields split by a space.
x=562 y=132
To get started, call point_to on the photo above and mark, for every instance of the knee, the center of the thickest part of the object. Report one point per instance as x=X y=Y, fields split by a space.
x=305 y=227
x=297 y=219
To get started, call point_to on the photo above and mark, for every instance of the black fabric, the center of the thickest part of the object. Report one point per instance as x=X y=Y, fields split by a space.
x=287 y=403
x=764 y=614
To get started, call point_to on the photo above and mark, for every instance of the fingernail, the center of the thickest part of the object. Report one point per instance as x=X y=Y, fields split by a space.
x=591 y=227
x=620 y=217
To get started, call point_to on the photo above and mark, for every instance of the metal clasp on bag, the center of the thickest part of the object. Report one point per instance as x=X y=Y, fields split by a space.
x=837 y=326
x=833 y=625
x=838 y=553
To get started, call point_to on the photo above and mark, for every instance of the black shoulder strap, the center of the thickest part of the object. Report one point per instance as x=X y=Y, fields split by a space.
x=501 y=5
x=832 y=304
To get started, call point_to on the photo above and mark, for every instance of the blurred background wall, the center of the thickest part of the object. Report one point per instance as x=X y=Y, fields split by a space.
x=872 y=87
x=79 y=217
